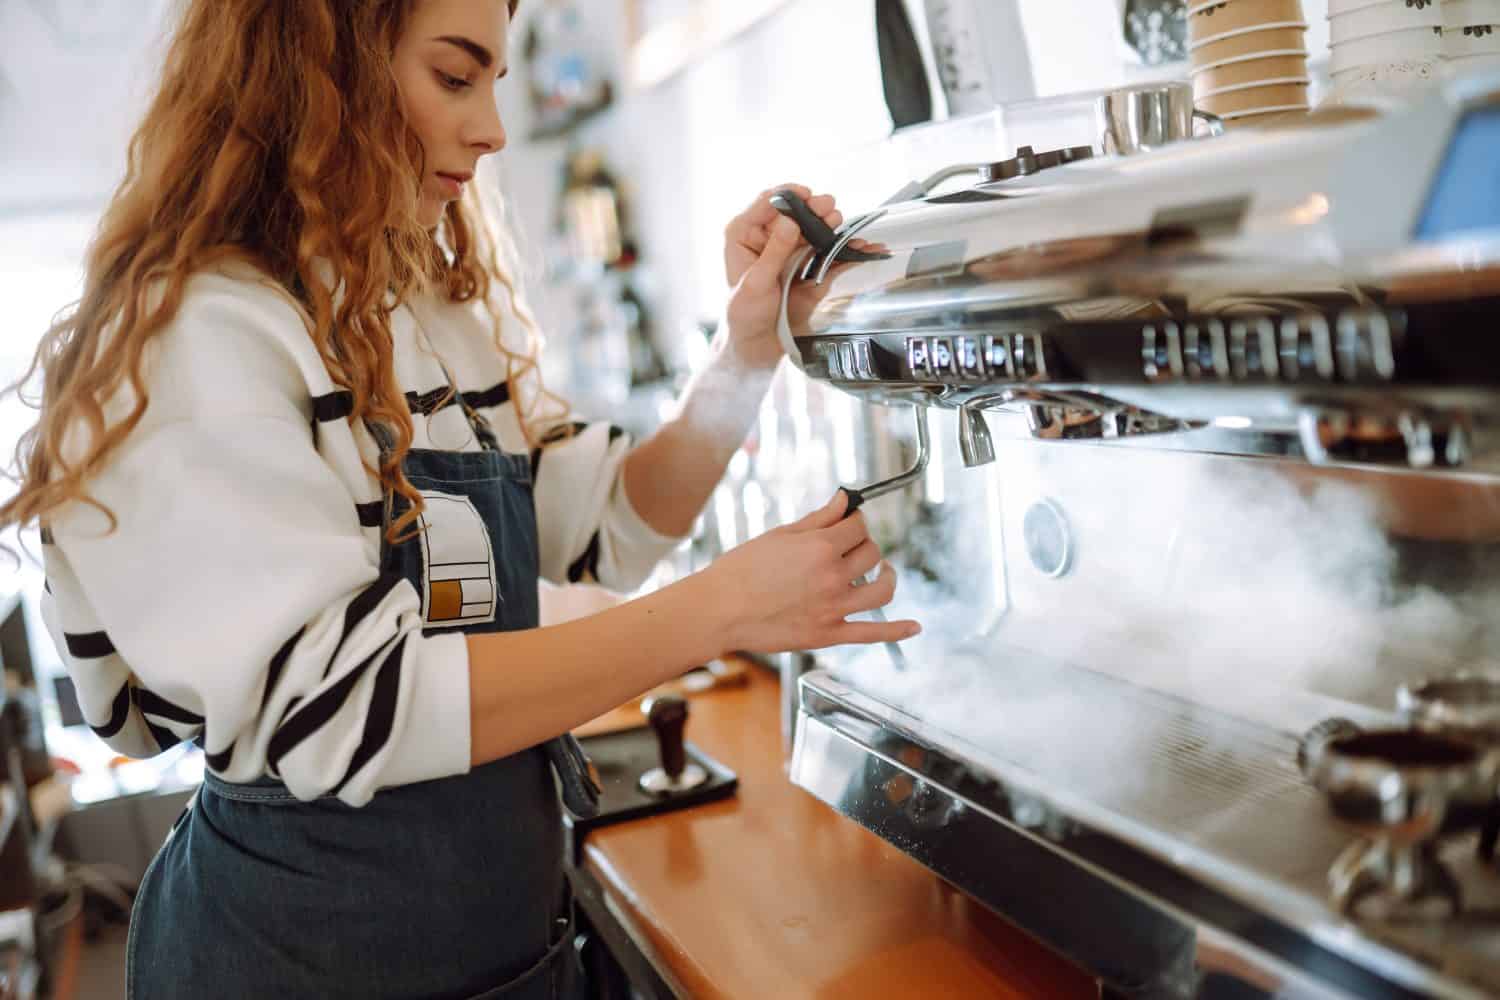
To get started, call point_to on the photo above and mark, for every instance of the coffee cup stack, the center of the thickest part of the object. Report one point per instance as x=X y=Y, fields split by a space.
x=1383 y=41
x=1471 y=34
x=1249 y=58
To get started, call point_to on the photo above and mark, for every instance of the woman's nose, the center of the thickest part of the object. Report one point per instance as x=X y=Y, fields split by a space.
x=487 y=132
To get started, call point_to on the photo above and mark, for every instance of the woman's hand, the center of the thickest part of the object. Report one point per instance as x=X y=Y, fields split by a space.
x=757 y=245
x=794 y=586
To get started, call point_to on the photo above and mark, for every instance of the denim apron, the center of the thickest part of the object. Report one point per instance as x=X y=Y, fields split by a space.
x=451 y=888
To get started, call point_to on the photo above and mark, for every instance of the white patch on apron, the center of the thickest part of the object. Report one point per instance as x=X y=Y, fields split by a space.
x=458 y=565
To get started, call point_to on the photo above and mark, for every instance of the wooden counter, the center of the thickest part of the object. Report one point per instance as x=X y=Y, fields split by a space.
x=773 y=894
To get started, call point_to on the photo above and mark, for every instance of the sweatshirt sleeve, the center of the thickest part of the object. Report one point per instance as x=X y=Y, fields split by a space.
x=238 y=601
x=589 y=530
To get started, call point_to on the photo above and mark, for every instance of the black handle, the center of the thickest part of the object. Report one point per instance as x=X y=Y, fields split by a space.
x=668 y=716
x=856 y=500
x=814 y=229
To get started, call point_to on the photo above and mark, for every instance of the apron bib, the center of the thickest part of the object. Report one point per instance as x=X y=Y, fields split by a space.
x=451 y=888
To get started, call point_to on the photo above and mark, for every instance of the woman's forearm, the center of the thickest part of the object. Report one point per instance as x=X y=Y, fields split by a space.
x=670 y=476
x=531 y=685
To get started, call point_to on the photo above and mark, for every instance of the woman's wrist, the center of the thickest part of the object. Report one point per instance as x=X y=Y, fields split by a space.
x=748 y=353
x=710 y=606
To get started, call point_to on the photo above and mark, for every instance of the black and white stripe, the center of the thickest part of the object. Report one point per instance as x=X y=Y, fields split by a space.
x=333 y=406
x=380 y=718
x=585 y=569
x=372 y=514
x=308 y=717
x=88 y=645
x=119 y=714
x=435 y=400
x=553 y=435
x=359 y=609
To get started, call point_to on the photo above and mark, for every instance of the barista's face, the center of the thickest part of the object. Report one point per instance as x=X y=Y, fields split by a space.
x=446 y=64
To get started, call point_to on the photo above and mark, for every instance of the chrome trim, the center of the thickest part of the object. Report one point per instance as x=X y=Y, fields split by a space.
x=1140 y=905
x=848 y=233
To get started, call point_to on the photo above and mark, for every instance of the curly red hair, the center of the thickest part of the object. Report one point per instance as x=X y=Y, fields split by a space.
x=276 y=136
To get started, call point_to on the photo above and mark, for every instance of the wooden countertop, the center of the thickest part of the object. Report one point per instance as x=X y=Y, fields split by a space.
x=773 y=894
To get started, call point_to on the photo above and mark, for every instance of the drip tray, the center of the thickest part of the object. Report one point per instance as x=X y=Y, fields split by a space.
x=621 y=757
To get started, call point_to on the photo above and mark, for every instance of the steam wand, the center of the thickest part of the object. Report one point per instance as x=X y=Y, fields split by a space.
x=857 y=498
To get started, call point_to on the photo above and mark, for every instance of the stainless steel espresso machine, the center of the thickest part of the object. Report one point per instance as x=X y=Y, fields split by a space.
x=1209 y=692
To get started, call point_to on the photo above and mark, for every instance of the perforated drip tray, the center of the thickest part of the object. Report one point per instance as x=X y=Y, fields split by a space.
x=1218 y=798
x=621 y=757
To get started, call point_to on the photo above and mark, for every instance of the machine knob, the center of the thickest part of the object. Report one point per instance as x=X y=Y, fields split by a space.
x=668 y=715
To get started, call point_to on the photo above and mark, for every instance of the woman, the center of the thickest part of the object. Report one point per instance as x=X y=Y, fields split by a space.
x=289 y=512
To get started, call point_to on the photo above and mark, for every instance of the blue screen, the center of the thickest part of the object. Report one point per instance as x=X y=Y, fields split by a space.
x=1466 y=196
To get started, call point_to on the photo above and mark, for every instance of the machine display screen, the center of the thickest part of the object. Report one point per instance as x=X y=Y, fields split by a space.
x=1466 y=195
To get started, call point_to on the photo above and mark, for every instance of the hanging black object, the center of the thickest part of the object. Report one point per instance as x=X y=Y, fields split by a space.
x=902 y=72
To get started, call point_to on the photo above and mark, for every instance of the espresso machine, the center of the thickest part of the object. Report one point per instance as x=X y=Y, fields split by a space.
x=1208 y=695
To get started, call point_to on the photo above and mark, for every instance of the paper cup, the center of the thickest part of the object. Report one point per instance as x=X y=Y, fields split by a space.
x=1471 y=40
x=1389 y=75
x=1232 y=74
x=1265 y=117
x=1294 y=53
x=1273 y=95
x=1345 y=6
x=1245 y=44
x=1207 y=21
x=1381 y=19
x=1301 y=81
x=1397 y=46
x=1461 y=13
x=1470 y=64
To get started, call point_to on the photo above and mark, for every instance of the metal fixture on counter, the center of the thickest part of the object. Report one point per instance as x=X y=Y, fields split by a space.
x=1170 y=307
x=974 y=443
x=668 y=715
x=1149 y=116
x=857 y=498
x=1465 y=704
x=1401 y=790
x=1048 y=539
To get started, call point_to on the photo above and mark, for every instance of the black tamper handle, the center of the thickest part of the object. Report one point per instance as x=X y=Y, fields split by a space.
x=668 y=717
x=815 y=230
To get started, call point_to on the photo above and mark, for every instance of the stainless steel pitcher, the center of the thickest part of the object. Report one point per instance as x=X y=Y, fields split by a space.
x=1148 y=116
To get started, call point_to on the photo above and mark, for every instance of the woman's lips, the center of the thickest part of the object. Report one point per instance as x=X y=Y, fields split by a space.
x=453 y=186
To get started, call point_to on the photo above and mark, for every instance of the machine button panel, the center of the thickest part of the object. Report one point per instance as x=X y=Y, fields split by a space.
x=1028 y=356
x=1364 y=346
x=970 y=361
x=943 y=360
x=919 y=357
x=846 y=360
x=997 y=355
x=1161 y=352
x=1252 y=350
x=1306 y=348
x=1205 y=350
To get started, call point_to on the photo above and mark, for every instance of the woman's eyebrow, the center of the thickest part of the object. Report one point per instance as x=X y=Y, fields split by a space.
x=481 y=54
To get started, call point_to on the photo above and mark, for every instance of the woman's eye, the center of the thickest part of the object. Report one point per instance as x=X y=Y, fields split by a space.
x=451 y=82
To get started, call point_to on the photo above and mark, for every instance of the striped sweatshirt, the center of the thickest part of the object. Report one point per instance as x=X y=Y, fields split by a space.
x=239 y=602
